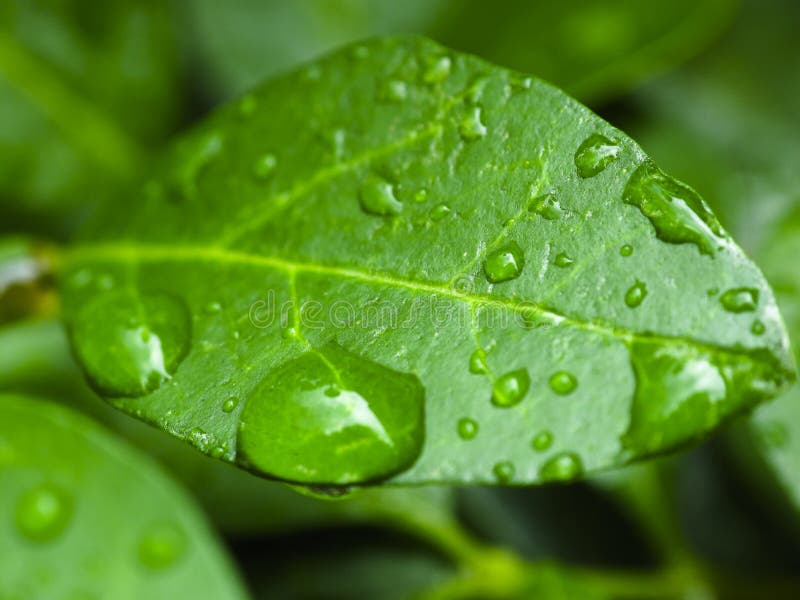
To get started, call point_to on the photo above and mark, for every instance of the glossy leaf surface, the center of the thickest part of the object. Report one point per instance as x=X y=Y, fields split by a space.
x=487 y=248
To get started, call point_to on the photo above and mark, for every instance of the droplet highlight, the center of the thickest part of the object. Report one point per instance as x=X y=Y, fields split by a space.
x=542 y=441
x=564 y=466
x=563 y=382
x=636 y=294
x=595 y=154
x=439 y=212
x=503 y=471
x=477 y=362
x=265 y=166
x=504 y=263
x=510 y=389
x=377 y=197
x=739 y=300
x=626 y=250
x=467 y=428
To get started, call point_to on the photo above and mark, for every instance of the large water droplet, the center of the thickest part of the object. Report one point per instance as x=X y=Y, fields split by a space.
x=636 y=294
x=43 y=512
x=504 y=471
x=595 y=154
x=563 y=382
x=504 y=263
x=477 y=362
x=467 y=428
x=377 y=197
x=471 y=127
x=548 y=207
x=677 y=213
x=739 y=300
x=128 y=343
x=510 y=389
x=542 y=441
x=295 y=428
x=564 y=466
x=161 y=546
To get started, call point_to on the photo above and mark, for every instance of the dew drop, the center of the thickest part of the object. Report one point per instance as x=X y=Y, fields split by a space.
x=563 y=260
x=439 y=212
x=467 y=428
x=293 y=429
x=503 y=471
x=161 y=545
x=201 y=439
x=626 y=250
x=757 y=328
x=394 y=90
x=289 y=332
x=230 y=404
x=542 y=441
x=563 y=382
x=595 y=154
x=471 y=127
x=212 y=308
x=505 y=263
x=477 y=362
x=739 y=300
x=510 y=389
x=564 y=466
x=264 y=166
x=547 y=206
x=438 y=71
x=43 y=512
x=636 y=294
x=130 y=344
x=677 y=213
x=377 y=197
x=421 y=195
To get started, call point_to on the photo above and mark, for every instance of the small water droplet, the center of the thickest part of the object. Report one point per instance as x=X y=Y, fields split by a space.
x=264 y=166
x=564 y=466
x=757 y=328
x=421 y=195
x=289 y=332
x=739 y=300
x=547 y=206
x=128 y=343
x=438 y=71
x=471 y=127
x=677 y=213
x=467 y=428
x=201 y=439
x=377 y=197
x=626 y=250
x=563 y=260
x=439 y=212
x=477 y=362
x=504 y=471
x=505 y=263
x=542 y=441
x=161 y=545
x=510 y=389
x=43 y=512
x=394 y=90
x=230 y=404
x=636 y=294
x=293 y=429
x=563 y=382
x=212 y=308
x=595 y=154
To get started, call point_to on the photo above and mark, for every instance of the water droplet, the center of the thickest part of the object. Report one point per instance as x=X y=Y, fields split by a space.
x=677 y=213
x=548 y=207
x=595 y=154
x=467 y=428
x=196 y=158
x=504 y=471
x=564 y=466
x=438 y=71
x=161 y=546
x=542 y=441
x=377 y=197
x=264 y=166
x=563 y=260
x=212 y=308
x=421 y=195
x=230 y=404
x=201 y=439
x=636 y=294
x=757 y=328
x=626 y=250
x=505 y=263
x=563 y=382
x=130 y=344
x=477 y=362
x=289 y=332
x=43 y=512
x=510 y=389
x=293 y=429
x=439 y=212
x=471 y=127
x=394 y=90
x=739 y=300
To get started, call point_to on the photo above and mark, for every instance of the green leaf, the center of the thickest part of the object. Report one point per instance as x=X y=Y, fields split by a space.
x=84 y=89
x=84 y=514
x=536 y=277
x=592 y=48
